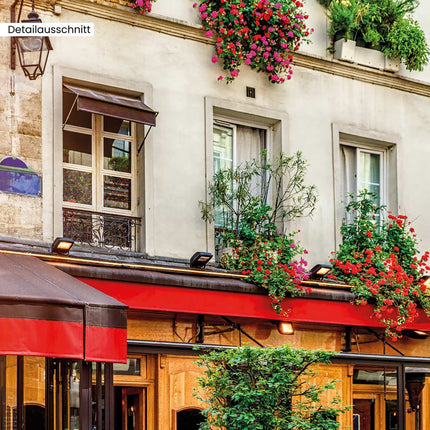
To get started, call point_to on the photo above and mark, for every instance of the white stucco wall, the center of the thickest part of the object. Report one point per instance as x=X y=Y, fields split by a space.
x=181 y=75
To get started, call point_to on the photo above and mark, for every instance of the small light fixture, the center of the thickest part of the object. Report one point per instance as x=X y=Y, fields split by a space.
x=33 y=51
x=414 y=385
x=285 y=328
x=415 y=334
x=62 y=245
x=200 y=259
x=319 y=271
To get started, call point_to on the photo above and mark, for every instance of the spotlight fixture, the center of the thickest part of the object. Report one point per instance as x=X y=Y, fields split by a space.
x=415 y=334
x=319 y=271
x=285 y=328
x=62 y=245
x=200 y=259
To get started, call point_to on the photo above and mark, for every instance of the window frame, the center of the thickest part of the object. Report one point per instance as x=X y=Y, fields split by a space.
x=243 y=114
x=97 y=169
x=368 y=140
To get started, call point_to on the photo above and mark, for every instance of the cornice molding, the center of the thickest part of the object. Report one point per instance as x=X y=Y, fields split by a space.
x=116 y=12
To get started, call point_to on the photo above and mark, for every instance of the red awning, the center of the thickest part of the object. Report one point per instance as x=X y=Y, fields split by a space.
x=46 y=312
x=152 y=297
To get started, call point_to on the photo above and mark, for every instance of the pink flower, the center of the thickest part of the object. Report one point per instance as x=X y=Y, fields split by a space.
x=292 y=245
x=214 y=14
x=203 y=15
x=234 y=73
x=266 y=54
x=274 y=78
x=247 y=61
x=209 y=33
x=195 y=4
x=202 y=7
x=220 y=77
x=290 y=34
x=139 y=3
x=215 y=59
x=278 y=5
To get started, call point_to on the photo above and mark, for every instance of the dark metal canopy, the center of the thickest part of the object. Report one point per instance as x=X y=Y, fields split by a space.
x=46 y=312
x=117 y=106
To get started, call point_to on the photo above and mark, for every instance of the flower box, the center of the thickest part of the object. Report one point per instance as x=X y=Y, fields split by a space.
x=346 y=50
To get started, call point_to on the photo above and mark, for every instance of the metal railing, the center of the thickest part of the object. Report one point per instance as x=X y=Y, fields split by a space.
x=101 y=230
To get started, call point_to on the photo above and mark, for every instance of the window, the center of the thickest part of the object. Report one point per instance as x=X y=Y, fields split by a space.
x=99 y=177
x=233 y=145
x=364 y=168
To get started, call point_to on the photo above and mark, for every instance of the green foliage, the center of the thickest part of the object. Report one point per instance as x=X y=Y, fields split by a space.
x=380 y=259
x=408 y=41
x=251 y=229
x=380 y=24
x=265 y=388
x=246 y=191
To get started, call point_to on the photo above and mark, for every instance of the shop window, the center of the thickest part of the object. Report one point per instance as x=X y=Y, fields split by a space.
x=99 y=177
x=189 y=419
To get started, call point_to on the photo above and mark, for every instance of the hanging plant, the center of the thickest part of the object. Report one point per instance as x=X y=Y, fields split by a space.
x=262 y=34
x=249 y=227
x=381 y=261
x=142 y=6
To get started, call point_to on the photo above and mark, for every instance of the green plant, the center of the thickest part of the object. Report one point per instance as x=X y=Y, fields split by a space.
x=260 y=33
x=381 y=262
x=408 y=41
x=252 y=229
x=380 y=24
x=266 y=388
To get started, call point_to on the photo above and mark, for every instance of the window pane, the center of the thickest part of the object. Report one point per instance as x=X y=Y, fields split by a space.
x=117 y=192
x=370 y=173
x=223 y=159
x=77 y=148
x=223 y=148
x=117 y=155
x=34 y=393
x=79 y=118
x=132 y=367
x=117 y=126
x=77 y=186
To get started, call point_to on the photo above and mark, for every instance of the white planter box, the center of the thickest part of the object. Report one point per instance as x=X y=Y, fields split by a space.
x=392 y=64
x=346 y=50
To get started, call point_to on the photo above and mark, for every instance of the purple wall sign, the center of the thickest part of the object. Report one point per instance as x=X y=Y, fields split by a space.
x=17 y=178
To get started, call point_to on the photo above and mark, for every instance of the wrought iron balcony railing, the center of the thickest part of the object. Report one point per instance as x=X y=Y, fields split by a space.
x=101 y=230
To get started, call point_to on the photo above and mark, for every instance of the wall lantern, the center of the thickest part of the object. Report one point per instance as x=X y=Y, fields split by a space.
x=414 y=385
x=200 y=259
x=285 y=328
x=62 y=245
x=319 y=271
x=33 y=51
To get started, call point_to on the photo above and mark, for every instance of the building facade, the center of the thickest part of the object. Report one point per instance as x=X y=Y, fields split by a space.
x=119 y=140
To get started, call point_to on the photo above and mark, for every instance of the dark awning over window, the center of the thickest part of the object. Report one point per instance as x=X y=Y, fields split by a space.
x=129 y=108
x=46 y=312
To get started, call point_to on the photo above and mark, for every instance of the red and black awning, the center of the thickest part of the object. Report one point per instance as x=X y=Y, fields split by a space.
x=46 y=312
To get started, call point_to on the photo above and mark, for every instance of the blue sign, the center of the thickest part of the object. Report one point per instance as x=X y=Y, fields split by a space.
x=17 y=178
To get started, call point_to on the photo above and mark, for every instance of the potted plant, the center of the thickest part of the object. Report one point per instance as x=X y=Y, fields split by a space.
x=262 y=34
x=250 y=224
x=377 y=33
x=379 y=258
x=266 y=388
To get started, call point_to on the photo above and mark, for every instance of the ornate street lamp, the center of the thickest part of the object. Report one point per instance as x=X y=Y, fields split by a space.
x=33 y=51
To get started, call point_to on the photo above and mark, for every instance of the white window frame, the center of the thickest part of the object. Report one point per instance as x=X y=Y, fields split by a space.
x=98 y=171
x=367 y=140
